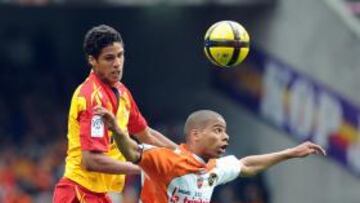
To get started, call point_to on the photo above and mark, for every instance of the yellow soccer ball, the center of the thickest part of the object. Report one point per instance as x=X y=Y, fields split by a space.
x=226 y=43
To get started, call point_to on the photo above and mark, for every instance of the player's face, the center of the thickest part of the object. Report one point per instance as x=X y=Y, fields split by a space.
x=214 y=138
x=109 y=65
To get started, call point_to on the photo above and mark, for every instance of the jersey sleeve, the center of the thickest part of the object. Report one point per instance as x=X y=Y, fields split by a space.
x=228 y=168
x=156 y=162
x=93 y=132
x=137 y=122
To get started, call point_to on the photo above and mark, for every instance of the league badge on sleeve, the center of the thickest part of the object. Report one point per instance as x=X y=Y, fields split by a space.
x=97 y=126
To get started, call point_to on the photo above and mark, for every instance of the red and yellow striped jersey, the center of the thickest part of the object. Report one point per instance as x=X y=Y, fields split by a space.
x=87 y=131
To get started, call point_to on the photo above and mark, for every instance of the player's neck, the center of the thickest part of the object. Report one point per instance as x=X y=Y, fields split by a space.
x=197 y=152
x=205 y=159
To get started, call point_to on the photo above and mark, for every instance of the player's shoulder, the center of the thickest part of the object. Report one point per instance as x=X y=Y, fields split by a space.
x=152 y=148
x=87 y=87
x=226 y=160
x=163 y=152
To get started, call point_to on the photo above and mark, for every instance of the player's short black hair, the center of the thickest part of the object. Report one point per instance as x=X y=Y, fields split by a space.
x=99 y=37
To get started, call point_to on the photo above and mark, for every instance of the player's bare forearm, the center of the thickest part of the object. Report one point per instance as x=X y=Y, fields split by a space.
x=153 y=137
x=253 y=165
x=127 y=146
x=98 y=162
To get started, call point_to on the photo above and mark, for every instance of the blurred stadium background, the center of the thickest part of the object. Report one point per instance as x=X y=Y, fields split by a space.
x=300 y=82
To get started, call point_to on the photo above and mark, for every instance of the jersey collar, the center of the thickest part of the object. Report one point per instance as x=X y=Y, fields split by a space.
x=184 y=148
x=107 y=89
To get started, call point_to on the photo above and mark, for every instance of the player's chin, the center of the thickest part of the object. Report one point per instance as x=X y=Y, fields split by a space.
x=114 y=78
x=218 y=153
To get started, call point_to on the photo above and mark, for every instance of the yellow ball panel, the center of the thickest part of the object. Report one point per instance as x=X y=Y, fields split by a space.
x=242 y=55
x=210 y=59
x=243 y=34
x=222 y=55
x=222 y=31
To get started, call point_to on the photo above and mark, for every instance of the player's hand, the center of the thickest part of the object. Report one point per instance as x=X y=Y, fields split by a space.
x=107 y=116
x=306 y=149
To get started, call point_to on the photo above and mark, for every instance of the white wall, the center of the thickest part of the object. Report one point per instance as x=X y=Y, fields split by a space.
x=313 y=38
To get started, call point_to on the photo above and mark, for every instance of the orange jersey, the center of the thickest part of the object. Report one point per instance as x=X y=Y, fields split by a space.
x=179 y=176
x=88 y=132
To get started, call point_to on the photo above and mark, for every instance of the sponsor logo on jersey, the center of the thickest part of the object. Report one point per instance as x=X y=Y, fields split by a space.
x=212 y=178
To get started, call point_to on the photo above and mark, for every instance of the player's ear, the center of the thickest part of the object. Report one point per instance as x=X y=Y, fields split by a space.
x=91 y=60
x=195 y=134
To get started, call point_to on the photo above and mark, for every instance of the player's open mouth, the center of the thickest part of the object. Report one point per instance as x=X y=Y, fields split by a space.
x=223 y=148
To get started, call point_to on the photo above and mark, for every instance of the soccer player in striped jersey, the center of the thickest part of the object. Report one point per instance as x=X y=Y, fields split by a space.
x=189 y=173
x=94 y=165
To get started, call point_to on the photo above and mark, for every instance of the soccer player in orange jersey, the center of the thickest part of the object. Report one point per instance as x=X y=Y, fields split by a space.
x=189 y=173
x=94 y=165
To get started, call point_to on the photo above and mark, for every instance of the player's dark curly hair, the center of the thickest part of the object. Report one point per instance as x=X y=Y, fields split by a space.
x=99 y=37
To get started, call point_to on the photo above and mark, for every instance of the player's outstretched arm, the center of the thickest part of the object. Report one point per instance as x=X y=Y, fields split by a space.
x=127 y=146
x=154 y=137
x=252 y=165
